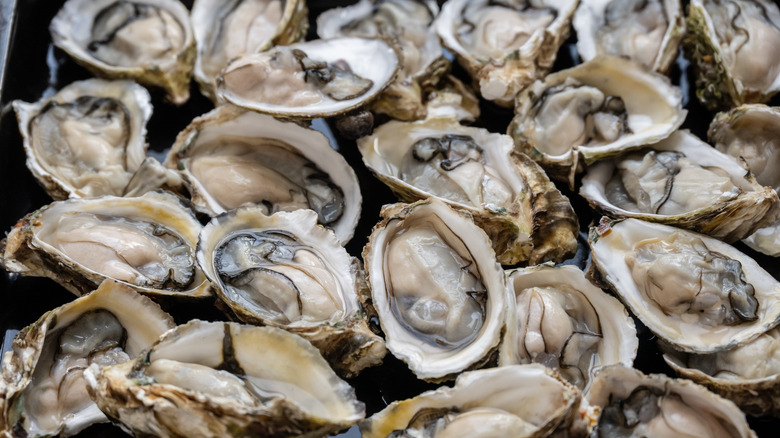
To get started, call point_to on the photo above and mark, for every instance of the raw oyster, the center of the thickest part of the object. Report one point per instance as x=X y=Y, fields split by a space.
x=561 y=320
x=227 y=29
x=505 y=45
x=508 y=195
x=408 y=23
x=230 y=157
x=319 y=78
x=512 y=401
x=635 y=404
x=647 y=31
x=147 y=242
x=150 y=42
x=733 y=45
x=287 y=271
x=43 y=392
x=682 y=181
x=593 y=111
x=205 y=379
x=436 y=287
x=751 y=133
x=695 y=292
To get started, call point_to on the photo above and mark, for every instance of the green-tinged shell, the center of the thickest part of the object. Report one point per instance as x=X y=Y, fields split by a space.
x=43 y=392
x=712 y=194
x=508 y=195
x=271 y=384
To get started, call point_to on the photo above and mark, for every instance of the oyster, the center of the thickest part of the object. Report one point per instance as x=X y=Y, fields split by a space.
x=682 y=181
x=229 y=157
x=508 y=195
x=436 y=287
x=511 y=401
x=593 y=111
x=561 y=320
x=505 y=45
x=286 y=271
x=733 y=45
x=146 y=242
x=635 y=404
x=206 y=379
x=319 y=78
x=695 y=292
x=43 y=392
x=227 y=29
x=408 y=23
x=646 y=31
x=150 y=42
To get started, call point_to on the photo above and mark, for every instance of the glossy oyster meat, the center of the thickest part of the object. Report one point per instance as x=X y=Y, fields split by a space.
x=561 y=320
x=436 y=288
x=226 y=379
x=227 y=29
x=682 y=181
x=229 y=157
x=647 y=31
x=695 y=292
x=146 y=242
x=751 y=134
x=595 y=110
x=150 y=42
x=319 y=78
x=287 y=271
x=43 y=392
x=408 y=23
x=505 y=45
x=636 y=404
x=733 y=45
x=509 y=196
x=517 y=401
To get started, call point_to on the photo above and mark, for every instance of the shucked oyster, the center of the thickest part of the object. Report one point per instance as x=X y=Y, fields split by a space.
x=319 y=78
x=682 y=181
x=146 y=242
x=43 y=392
x=436 y=287
x=286 y=271
x=695 y=292
x=206 y=379
x=733 y=45
x=227 y=29
x=509 y=196
x=505 y=44
x=230 y=157
x=150 y=42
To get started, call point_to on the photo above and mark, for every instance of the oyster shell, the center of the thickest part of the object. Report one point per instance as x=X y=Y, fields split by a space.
x=226 y=29
x=695 y=292
x=206 y=379
x=436 y=287
x=286 y=271
x=320 y=78
x=682 y=181
x=508 y=195
x=146 y=242
x=646 y=31
x=150 y=42
x=43 y=392
x=505 y=45
x=593 y=111
x=733 y=46
x=516 y=400
x=230 y=157
x=561 y=320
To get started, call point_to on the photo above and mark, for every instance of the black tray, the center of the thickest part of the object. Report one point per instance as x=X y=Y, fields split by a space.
x=30 y=67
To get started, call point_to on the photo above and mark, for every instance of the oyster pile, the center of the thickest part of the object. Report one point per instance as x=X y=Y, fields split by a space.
x=261 y=220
